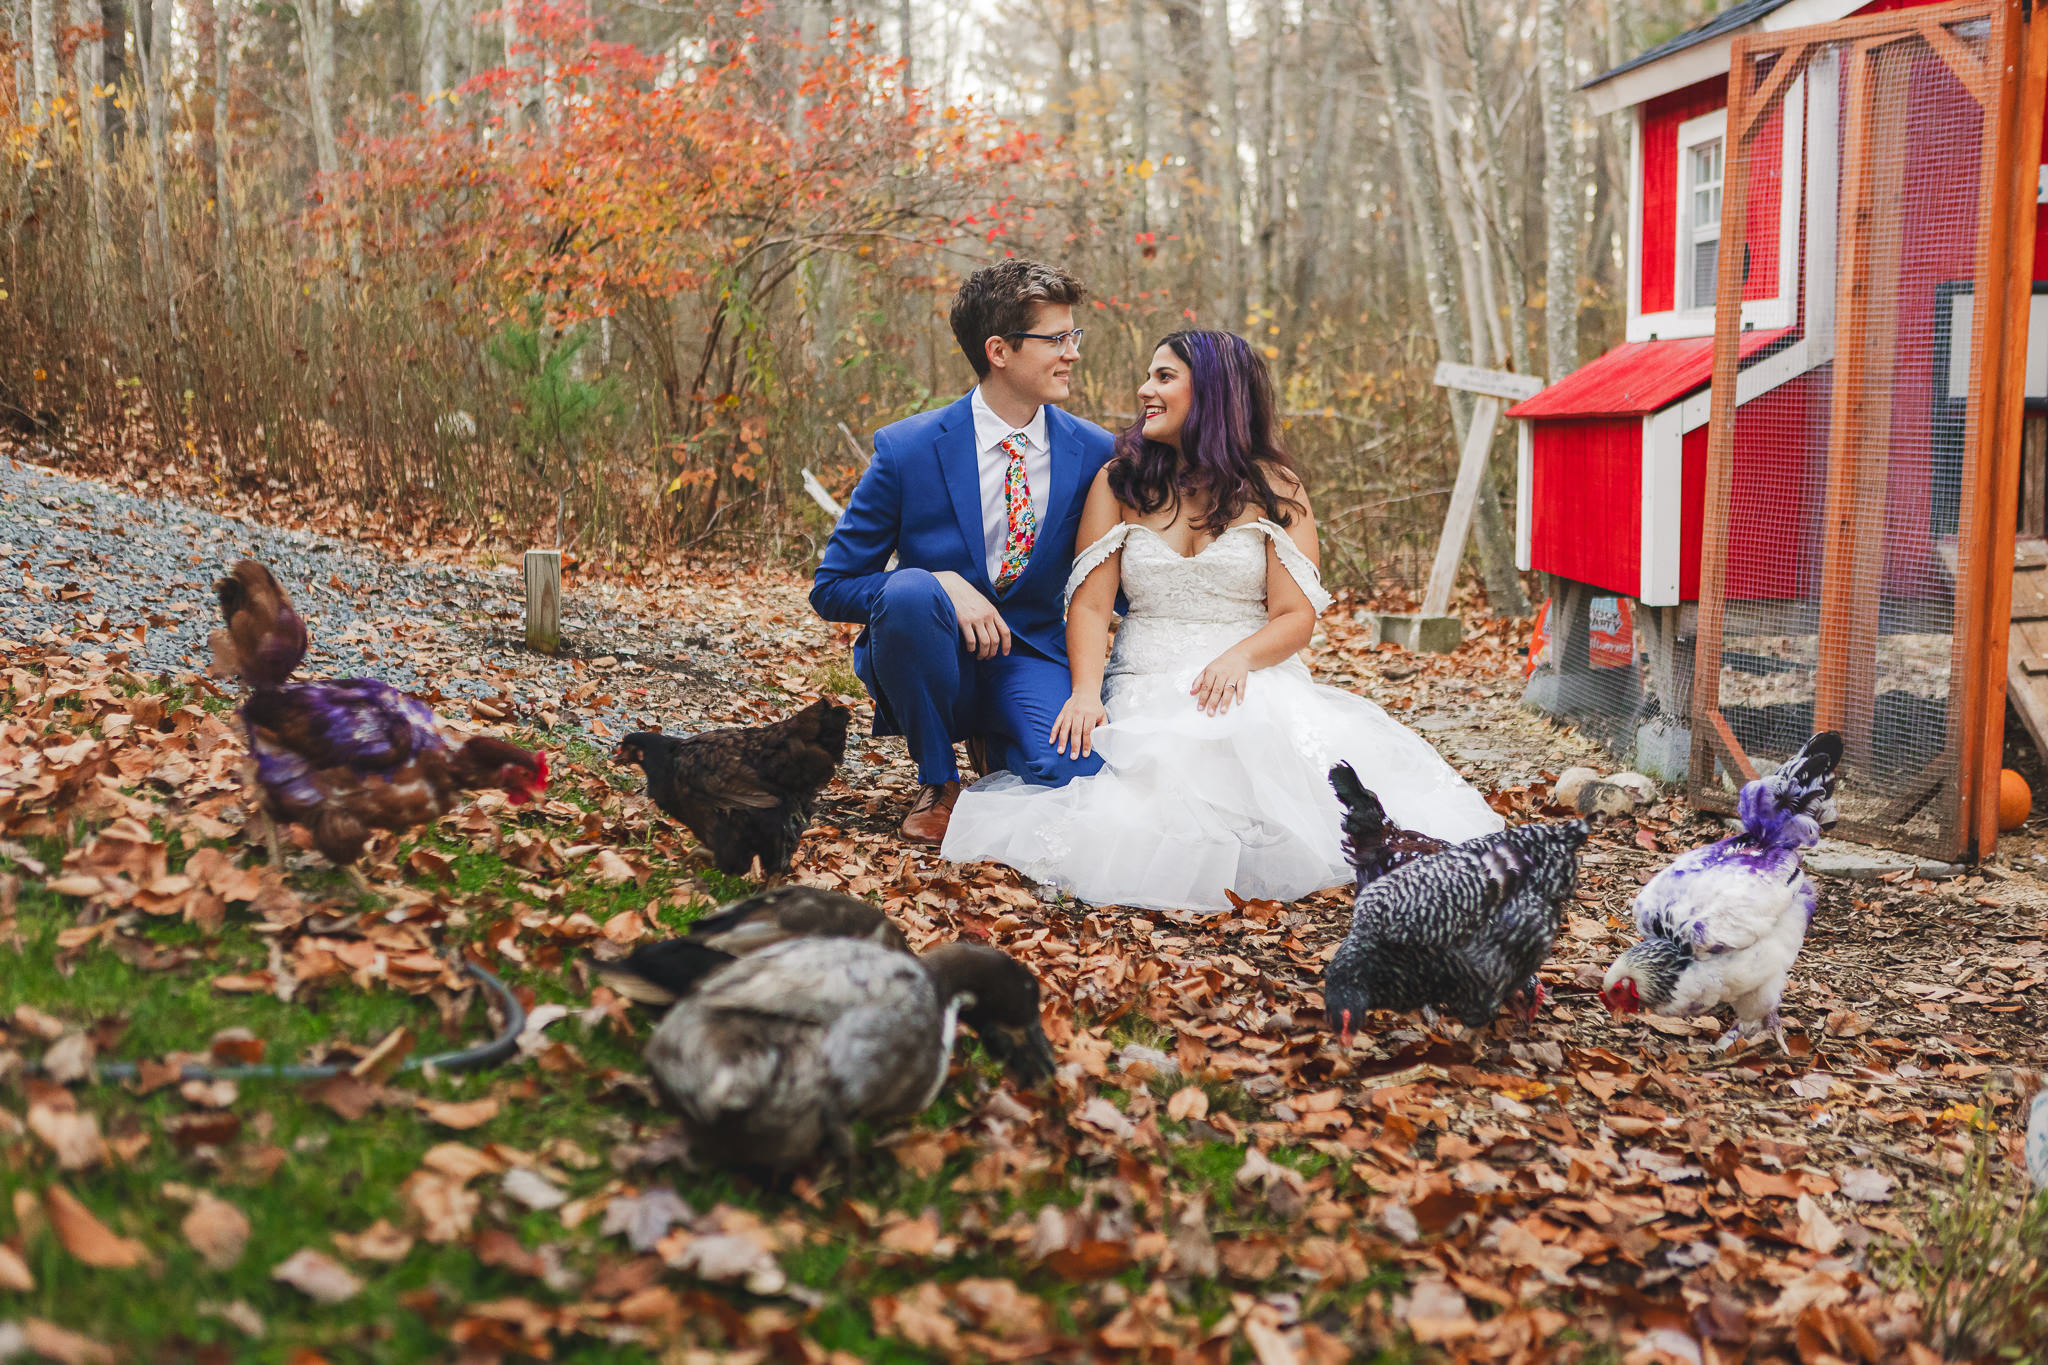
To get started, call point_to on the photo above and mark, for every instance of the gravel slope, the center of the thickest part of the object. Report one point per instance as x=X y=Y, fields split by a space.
x=74 y=549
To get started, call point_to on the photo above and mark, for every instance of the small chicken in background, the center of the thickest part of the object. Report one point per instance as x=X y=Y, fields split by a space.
x=348 y=757
x=1461 y=929
x=662 y=973
x=1723 y=924
x=745 y=793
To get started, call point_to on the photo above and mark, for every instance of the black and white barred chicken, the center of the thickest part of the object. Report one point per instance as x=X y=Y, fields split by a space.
x=1461 y=929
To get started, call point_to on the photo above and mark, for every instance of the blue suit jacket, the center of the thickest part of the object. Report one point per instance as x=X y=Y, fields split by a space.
x=921 y=499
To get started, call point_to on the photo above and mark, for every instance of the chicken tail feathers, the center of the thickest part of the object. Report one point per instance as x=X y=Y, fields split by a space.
x=1365 y=819
x=659 y=974
x=1791 y=806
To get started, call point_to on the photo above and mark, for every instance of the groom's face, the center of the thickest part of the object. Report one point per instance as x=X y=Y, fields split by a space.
x=1037 y=370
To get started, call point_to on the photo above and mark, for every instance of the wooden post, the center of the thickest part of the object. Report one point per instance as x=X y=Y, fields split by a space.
x=1433 y=629
x=2005 y=268
x=1443 y=574
x=544 y=600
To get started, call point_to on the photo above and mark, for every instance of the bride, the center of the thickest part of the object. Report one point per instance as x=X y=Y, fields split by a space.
x=1216 y=746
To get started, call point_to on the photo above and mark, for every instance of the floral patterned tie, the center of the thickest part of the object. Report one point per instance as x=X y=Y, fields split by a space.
x=1023 y=521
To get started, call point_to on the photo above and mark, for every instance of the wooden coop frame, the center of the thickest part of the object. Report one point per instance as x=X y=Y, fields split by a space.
x=2007 y=82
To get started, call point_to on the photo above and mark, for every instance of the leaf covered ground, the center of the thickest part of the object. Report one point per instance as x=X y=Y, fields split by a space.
x=1209 y=1178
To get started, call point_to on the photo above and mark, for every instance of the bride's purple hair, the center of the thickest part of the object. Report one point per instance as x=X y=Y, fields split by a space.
x=1226 y=440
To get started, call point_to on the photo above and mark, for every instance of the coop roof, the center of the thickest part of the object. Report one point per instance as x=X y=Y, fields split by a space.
x=1701 y=52
x=1727 y=23
x=1637 y=378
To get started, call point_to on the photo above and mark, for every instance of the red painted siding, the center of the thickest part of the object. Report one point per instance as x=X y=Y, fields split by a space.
x=1661 y=117
x=1692 y=510
x=1588 y=501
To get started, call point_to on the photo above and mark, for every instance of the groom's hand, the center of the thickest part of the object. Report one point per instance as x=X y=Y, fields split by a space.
x=981 y=625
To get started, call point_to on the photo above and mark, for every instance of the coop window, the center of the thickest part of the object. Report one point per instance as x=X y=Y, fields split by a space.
x=1701 y=234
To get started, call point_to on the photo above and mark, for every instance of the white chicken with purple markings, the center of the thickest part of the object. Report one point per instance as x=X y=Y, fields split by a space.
x=1723 y=924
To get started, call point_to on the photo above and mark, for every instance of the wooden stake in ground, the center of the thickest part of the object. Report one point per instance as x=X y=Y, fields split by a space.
x=544 y=600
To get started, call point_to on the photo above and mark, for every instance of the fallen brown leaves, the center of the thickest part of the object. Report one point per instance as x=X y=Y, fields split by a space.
x=1583 y=1183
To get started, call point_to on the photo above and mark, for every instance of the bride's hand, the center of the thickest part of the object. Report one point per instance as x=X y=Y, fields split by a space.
x=1075 y=727
x=1221 y=684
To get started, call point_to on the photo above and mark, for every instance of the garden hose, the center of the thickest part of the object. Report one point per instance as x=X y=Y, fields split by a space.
x=497 y=1050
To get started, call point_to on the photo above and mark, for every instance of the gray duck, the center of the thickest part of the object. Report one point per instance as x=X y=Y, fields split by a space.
x=772 y=1057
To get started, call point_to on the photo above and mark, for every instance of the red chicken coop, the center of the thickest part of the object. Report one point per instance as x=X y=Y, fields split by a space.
x=1788 y=500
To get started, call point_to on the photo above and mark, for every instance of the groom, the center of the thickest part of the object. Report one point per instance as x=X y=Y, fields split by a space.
x=979 y=501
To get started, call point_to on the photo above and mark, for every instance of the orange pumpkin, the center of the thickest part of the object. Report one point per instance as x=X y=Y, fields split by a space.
x=2015 y=800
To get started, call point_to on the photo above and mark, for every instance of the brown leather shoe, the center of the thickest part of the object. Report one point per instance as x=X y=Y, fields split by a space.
x=931 y=813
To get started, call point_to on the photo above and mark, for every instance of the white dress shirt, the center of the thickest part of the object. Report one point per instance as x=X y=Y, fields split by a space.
x=989 y=431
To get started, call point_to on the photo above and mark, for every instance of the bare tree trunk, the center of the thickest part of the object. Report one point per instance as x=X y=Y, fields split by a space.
x=1496 y=550
x=1488 y=134
x=223 y=186
x=517 y=60
x=1190 y=52
x=153 y=39
x=1230 y=283
x=1271 y=211
x=316 y=33
x=1560 y=195
x=42 y=56
x=1332 y=106
x=87 y=71
x=903 y=37
x=199 y=110
x=1141 y=110
x=436 y=20
x=1446 y=158
x=1062 y=26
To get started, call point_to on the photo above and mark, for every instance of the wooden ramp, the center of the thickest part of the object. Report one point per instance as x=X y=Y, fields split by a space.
x=2026 y=657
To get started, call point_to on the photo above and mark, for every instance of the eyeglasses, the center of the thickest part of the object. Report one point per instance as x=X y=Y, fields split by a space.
x=1060 y=340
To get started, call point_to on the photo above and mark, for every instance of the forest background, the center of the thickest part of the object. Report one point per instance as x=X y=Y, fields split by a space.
x=612 y=274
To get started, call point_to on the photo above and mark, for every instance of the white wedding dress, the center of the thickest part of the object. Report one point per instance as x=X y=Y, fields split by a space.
x=1188 y=805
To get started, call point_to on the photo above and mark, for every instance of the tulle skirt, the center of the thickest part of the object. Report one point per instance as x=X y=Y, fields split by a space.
x=1188 y=805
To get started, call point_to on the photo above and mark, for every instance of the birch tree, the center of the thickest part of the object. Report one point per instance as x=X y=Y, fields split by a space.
x=1230 y=283
x=1425 y=191
x=1560 y=195
x=42 y=55
x=88 y=61
x=316 y=43
x=153 y=41
x=223 y=187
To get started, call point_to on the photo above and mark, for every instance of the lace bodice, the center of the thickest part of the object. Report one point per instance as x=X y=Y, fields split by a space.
x=1185 y=609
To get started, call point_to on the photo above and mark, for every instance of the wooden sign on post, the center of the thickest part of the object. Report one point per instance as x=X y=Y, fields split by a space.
x=1433 y=629
x=544 y=600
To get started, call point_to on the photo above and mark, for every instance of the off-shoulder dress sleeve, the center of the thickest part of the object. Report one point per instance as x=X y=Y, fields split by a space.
x=1298 y=564
x=1090 y=559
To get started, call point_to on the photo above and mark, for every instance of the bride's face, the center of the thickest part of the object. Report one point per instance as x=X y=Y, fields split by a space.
x=1164 y=397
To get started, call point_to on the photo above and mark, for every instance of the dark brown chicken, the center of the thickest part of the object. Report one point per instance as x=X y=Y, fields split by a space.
x=748 y=793
x=347 y=757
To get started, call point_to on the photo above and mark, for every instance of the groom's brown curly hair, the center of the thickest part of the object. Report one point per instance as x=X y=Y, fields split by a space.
x=998 y=300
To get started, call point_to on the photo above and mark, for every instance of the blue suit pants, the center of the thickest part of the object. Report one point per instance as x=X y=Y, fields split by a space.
x=915 y=663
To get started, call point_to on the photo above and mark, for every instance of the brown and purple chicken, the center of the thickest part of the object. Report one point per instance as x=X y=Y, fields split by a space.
x=745 y=793
x=351 y=756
